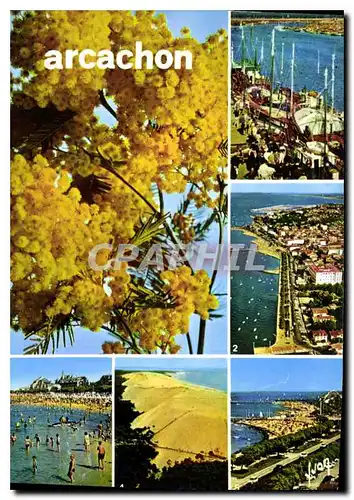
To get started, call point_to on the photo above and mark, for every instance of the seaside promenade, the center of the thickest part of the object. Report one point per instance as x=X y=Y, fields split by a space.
x=285 y=342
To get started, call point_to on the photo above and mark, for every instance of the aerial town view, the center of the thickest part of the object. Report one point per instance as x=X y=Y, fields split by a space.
x=285 y=424
x=171 y=424
x=61 y=425
x=287 y=95
x=291 y=302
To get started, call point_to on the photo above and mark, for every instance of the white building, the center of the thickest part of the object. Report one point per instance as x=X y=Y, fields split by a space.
x=326 y=275
x=335 y=250
x=294 y=243
x=320 y=336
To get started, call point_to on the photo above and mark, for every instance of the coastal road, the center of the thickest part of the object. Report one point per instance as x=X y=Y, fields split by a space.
x=290 y=457
x=287 y=342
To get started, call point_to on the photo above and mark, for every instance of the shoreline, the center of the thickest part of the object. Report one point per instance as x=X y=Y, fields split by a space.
x=281 y=424
x=312 y=31
x=272 y=271
x=264 y=432
x=186 y=383
x=263 y=246
x=53 y=461
x=93 y=407
x=315 y=26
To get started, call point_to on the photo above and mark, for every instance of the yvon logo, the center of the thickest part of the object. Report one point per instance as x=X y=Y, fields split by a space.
x=319 y=467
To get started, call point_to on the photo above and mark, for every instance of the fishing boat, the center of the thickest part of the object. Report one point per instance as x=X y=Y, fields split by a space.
x=305 y=121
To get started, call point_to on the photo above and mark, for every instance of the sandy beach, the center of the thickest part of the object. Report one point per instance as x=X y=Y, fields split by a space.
x=187 y=419
x=298 y=416
x=86 y=402
x=262 y=245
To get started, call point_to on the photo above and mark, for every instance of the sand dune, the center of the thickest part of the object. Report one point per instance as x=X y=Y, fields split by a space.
x=187 y=419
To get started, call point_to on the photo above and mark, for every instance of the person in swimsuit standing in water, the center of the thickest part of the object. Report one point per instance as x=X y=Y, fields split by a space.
x=100 y=455
x=72 y=465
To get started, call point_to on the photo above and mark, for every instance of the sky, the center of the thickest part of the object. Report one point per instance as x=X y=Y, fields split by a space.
x=284 y=374
x=301 y=187
x=25 y=370
x=201 y=23
x=171 y=364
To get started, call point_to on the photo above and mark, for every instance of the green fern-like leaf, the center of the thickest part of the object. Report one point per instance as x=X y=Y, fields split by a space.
x=149 y=230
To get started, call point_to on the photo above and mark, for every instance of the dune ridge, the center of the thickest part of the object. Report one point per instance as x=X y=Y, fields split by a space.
x=187 y=419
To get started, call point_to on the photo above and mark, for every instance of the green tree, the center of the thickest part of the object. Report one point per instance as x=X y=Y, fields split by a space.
x=190 y=475
x=134 y=449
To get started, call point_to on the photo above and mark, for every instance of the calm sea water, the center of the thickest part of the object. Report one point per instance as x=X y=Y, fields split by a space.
x=254 y=294
x=243 y=436
x=53 y=466
x=268 y=403
x=307 y=46
x=215 y=379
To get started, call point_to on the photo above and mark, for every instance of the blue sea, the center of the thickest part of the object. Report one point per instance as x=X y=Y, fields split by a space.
x=254 y=294
x=248 y=404
x=214 y=379
x=307 y=46
x=53 y=465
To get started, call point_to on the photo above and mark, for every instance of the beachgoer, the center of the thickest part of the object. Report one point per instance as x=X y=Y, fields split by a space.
x=25 y=424
x=27 y=444
x=58 y=442
x=71 y=471
x=100 y=455
x=29 y=420
x=37 y=440
x=87 y=442
x=99 y=429
x=13 y=438
x=51 y=442
x=34 y=464
x=18 y=425
x=47 y=440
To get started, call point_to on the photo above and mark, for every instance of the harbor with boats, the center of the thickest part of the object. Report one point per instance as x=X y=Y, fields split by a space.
x=287 y=103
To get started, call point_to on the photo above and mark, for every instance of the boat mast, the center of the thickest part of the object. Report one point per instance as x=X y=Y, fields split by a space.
x=242 y=49
x=318 y=62
x=255 y=55
x=272 y=76
x=262 y=52
x=282 y=59
x=325 y=115
x=292 y=80
x=333 y=78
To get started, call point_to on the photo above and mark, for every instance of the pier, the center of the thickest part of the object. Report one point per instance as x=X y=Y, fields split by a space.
x=288 y=325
